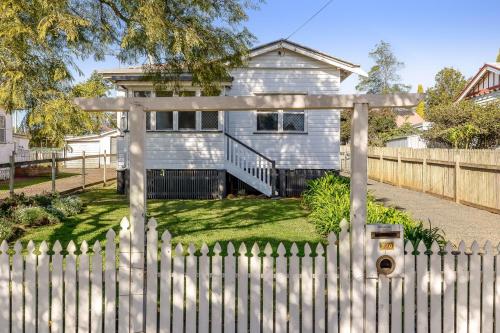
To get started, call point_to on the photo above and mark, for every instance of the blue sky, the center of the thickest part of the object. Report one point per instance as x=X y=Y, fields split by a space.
x=426 y=35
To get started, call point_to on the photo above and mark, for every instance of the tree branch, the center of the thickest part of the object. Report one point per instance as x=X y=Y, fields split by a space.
x=115 y=10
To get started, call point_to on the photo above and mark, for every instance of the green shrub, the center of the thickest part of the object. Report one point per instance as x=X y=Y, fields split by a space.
x=44 y=199
x=34 y=216
x=67 y=206
x=328 y=199
x=6 y=229
x=8 y=205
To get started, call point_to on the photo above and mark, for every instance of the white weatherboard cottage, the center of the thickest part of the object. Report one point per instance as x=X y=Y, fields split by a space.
x=484 y=87
x=206 y=154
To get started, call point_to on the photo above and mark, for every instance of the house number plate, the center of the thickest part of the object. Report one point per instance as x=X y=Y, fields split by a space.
x=386 y=246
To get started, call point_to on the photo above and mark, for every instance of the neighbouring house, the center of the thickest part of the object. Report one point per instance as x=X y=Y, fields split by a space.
x=484 y=87
x=209 y=154
x=92 y=144
x=10 y=141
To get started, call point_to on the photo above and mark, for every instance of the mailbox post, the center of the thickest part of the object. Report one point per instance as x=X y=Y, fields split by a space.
x=384 y=250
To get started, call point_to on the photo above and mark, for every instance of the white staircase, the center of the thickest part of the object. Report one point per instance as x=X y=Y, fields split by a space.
x=250 y=166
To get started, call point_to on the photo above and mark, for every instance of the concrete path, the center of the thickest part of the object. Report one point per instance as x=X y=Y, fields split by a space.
x=67 y=184
x=459 y=222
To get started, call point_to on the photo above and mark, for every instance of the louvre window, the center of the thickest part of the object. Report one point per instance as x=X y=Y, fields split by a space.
x=267 y=121
x=187 y=120
x=293 y=121
x=3 y=138
x=165 y=120
x=210 y=120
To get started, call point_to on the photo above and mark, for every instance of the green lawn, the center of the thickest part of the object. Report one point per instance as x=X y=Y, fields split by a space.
x=29 y=181
x=237 y=220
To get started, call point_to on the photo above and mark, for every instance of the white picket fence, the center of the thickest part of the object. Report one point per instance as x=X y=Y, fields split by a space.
x=244 y=290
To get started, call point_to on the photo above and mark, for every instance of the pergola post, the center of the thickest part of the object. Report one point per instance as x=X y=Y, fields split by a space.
x=359 y=178
x=137 y=118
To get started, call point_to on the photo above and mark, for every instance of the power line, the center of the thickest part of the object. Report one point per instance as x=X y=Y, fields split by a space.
x=309 y=19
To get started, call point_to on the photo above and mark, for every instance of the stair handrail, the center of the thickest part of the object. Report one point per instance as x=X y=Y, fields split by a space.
x=273 y=178
x=250 y=148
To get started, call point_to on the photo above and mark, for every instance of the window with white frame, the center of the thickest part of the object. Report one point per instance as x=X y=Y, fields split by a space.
x=289 y=121
x=281 y=121
x=3 y=130
x=178 y=121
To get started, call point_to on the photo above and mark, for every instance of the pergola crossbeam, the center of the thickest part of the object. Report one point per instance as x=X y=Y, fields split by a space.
x=245 y=103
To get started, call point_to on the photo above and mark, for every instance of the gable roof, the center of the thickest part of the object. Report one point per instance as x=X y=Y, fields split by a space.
x=493 y=67
x=347 y=68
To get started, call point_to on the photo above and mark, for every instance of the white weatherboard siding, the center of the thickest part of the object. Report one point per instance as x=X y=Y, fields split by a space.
x=292 y=73
x=483 y=99
x=174 y=150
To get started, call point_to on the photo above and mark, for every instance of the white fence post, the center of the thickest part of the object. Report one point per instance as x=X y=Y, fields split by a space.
x=83 y=289
x=30 y=290
x=229 y=289
x=345 y=278
x=43 y=293
x=319 y=290
x=57 y=310
x=151 y=274
x=124 y=277
x=70 y=293
x=332 y=285
x=191 y=272
x=280 y=318
x=267 y=290
x=242 y=288
x=475 y=289
x=96 y=299
x=462 y=277
x=255 y=290
x=165 y=282
x=203 y=289
x=4 y=285
x=216 y=299
x=487 y=292
x=435 y=289
x=294 y=290
x=17 y=288
x=178 y=290
x=307 y=290
x=449 y=279
x=110 y=284
x=422 y=289
x=409 y=289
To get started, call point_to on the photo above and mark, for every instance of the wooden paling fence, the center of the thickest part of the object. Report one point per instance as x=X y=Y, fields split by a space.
x=243 y=289
x=467 y=176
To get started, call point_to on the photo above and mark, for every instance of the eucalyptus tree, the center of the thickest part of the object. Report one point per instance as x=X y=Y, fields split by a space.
x=383 y=77
x=41 y=42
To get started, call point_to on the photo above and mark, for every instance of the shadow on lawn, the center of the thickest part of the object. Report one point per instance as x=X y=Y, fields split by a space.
x=245 y=220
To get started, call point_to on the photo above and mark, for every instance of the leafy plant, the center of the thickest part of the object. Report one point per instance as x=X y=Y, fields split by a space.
x=418 y=233
x=6 y=229
x=328 y=199
x=34 y=216
x=68 y=206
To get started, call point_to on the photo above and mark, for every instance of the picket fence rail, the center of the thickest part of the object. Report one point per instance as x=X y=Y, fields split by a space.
x=244 y=289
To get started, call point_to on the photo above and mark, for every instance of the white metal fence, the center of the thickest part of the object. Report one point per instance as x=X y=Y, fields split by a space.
x=244 y=289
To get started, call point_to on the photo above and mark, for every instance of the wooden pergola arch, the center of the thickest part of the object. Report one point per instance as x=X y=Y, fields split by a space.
x=136 y=107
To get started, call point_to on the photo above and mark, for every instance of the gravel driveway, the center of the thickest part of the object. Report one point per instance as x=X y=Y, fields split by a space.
x=459 y=222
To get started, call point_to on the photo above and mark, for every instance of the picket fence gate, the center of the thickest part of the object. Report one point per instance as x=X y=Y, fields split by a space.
x=244 y=290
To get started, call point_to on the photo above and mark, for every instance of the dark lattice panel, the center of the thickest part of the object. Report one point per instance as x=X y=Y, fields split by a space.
x=293 y=122
x=210 y=120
